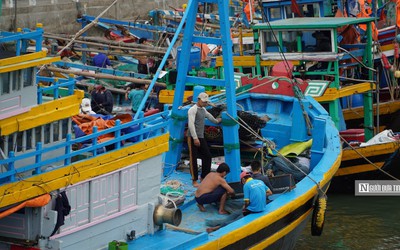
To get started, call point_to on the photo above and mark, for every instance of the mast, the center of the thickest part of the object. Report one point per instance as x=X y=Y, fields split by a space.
x=179 y=113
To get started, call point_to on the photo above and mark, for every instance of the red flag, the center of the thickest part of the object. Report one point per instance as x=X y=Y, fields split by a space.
x=296 y=9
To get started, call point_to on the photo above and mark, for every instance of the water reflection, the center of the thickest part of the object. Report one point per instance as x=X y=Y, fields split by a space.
x=357 y=223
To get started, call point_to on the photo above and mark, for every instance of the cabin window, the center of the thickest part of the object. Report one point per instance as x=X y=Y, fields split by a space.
x=288 y=11
x=66 y=127
x=310 y=40
x=60 y=130
x=47 y=133
x=288 y=42
x=38 y=134
x=29 y=139
x=275 y=13
x=19 y=145
x=28 y=77
x=310 y=10
x=306 y=10
x=5 y=83
x=316 y=41
x=15 y=80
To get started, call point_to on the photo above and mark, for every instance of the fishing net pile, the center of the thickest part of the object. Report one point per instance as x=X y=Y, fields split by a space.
x=251 y=121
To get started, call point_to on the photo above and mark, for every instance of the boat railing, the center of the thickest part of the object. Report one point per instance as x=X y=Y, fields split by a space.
x=144 y=128
x=22 y=38
x=55 y=89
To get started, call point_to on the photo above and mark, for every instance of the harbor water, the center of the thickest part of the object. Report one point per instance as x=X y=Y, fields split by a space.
x=354 y=222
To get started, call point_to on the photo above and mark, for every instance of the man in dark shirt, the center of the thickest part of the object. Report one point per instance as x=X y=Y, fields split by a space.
x=256 y=170
x=102 y=100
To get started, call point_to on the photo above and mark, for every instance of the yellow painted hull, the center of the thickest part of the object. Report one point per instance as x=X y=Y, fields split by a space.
x=81 y=171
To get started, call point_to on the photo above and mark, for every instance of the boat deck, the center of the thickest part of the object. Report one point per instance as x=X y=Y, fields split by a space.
x=194 y=222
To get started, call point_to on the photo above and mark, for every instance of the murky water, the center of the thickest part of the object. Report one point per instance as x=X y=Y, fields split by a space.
x=357 y=223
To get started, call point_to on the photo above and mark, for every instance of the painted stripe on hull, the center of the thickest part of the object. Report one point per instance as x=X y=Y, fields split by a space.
x=277 y=241
x=29 y=64
x=353 y=163
x=385 y=110
x=358 y=169
x=269 y=219
x=361 y=161
x=23 y=58
x=82 y=170
x=279 y=229
x=43 y=114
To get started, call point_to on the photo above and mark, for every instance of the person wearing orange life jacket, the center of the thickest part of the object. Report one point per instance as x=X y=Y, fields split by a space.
x=366 y=11
x=250 y=7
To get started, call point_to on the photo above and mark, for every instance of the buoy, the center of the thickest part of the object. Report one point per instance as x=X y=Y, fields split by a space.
x=385 y=62
x=397 y=74
x=318 y=216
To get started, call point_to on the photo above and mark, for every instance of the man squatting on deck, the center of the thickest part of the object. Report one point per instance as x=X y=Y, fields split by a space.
x=214 y=188
x=198 y=147
x=255 y=198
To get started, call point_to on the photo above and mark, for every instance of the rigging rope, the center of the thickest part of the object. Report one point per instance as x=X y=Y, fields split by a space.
x=370 y=162
x=270 y=144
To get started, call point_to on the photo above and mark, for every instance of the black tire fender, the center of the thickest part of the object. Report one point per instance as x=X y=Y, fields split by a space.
x=318 y=216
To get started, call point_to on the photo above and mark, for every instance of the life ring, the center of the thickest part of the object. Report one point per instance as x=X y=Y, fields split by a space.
x=318 y=216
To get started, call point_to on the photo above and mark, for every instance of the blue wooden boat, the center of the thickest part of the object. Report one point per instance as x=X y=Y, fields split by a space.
x=44 y=156
x=345 y=85
x=103 y=189
x=266 y=229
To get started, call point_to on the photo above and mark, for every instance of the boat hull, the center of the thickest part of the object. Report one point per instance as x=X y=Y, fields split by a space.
x=388 y=116
x=385 y=159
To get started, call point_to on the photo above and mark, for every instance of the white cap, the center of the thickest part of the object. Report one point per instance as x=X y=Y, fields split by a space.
x=203 y=97
x=85 y=105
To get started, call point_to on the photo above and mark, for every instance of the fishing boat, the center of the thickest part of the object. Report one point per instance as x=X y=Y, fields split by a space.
x=335 y=74
x=258 y=230
x=63 y=188
x=385 y=49
x=103 y=188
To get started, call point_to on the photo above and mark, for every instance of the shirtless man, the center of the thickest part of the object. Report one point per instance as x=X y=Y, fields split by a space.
x=214 y=188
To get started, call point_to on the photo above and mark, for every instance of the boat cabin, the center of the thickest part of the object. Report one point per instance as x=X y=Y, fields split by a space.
x=281 y=9
x=327 y=53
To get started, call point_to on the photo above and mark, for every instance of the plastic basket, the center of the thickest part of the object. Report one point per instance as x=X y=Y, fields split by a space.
x=117 y=245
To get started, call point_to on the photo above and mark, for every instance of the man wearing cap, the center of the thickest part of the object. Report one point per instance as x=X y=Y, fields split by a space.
x=86 y=108
x=198 y=147
x=255 y=194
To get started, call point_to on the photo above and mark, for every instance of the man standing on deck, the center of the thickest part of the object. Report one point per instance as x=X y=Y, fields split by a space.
x=198 y=147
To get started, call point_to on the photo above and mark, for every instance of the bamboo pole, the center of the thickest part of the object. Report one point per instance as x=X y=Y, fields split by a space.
x=98 y=41
x=104 y=76
x=87 y=27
